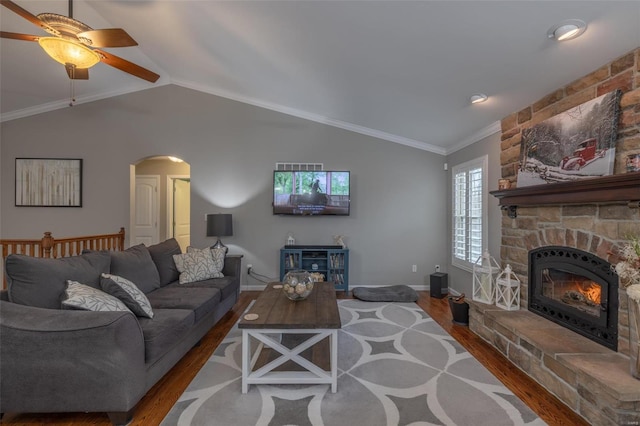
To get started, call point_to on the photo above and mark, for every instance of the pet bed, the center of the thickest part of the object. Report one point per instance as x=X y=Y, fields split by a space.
x=393 y=293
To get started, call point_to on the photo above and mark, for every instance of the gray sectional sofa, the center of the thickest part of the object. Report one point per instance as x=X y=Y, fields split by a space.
x=68 y=360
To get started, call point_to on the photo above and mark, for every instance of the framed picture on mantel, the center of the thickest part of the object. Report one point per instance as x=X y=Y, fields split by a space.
x=576 y=144
x=48 y=182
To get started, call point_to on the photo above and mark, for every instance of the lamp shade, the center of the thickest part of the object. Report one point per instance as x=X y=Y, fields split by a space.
x=69 y=52
x=219 y=225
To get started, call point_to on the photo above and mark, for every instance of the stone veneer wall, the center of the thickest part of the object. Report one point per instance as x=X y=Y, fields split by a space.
x=623 y=73
x=598 y=229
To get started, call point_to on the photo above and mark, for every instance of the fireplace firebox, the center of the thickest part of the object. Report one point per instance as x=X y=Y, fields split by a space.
x=577 y=290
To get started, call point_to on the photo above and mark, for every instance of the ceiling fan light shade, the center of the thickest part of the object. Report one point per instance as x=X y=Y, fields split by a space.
x=68 y=52
x=567 y=30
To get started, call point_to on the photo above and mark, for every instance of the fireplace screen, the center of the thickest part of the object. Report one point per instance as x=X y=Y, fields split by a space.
x=574 y=290
x=577 y=290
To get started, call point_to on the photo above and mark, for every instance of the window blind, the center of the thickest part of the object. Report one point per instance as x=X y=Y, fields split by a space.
x=469 y=208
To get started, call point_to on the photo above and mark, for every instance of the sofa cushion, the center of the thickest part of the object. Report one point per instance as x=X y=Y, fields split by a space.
x=85 y=298
x=164 y=331
x=136 y=265
x=128 y=293
x=201 y=300
x=197 y=265
x=162 y=255
x=226 y=285
x=41 y=282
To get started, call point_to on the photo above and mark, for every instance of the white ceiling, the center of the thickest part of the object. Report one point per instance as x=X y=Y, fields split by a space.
x=402 y=71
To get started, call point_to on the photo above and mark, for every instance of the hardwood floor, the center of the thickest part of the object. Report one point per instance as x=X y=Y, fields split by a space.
x=159 y=400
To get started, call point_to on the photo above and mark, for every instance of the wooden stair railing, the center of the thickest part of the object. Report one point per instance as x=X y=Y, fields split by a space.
x=51 y=247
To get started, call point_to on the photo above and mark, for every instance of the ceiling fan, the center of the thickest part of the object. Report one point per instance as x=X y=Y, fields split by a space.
x=74 y=44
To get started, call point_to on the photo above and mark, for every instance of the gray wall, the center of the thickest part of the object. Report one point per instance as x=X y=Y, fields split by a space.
x=398 y=193
x=460 y=280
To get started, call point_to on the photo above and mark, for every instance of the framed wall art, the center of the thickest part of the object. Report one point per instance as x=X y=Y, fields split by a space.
x=48 y=182
x=576 y=144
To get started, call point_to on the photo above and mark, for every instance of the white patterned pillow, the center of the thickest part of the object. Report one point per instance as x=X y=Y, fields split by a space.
x=80 y=296
x=217 y=254
x=128 y=293
x=196 y=265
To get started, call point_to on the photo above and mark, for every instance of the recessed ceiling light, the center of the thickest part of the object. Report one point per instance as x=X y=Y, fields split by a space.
x=478 y=98
x=567 y=30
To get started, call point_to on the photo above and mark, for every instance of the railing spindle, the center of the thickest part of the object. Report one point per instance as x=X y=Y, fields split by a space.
x=50 y=247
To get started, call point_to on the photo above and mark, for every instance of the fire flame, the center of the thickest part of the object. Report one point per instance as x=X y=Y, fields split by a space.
x=590 y=290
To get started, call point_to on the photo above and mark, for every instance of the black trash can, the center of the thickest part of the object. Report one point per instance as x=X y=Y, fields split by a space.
x=459 y=310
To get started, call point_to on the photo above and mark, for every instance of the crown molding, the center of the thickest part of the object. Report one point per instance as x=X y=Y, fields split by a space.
x=313 y=117
x=52 y=106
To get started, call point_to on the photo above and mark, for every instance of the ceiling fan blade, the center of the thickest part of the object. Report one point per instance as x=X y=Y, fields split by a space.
x=128 y=67
x=18 y=36
x=110 y=37
x=77 y=73
x=24 y=13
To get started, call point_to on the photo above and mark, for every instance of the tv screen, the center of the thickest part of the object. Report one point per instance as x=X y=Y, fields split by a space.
x=311 y=193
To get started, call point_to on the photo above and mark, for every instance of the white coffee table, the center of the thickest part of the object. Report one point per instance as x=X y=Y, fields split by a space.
x=280 y=318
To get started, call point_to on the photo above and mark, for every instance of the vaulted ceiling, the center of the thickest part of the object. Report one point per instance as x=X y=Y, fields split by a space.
x=402 y=71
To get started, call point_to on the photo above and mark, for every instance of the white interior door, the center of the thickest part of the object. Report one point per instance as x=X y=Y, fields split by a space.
x=182 y=212
x=147 y=211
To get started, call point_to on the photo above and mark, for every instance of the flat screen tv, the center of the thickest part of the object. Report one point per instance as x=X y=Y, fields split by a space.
x=311 y=193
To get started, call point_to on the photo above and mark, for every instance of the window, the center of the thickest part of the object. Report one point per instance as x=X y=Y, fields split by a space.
x=469 y=212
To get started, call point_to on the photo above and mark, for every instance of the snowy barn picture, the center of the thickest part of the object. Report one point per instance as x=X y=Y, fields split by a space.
x=576 y=144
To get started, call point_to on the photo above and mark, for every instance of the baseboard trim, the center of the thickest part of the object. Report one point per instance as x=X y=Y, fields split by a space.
x=260 y=287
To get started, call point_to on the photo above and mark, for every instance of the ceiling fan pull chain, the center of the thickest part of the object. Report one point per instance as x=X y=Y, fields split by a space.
x=72 y=92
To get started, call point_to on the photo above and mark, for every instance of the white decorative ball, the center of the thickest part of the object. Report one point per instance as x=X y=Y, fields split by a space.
x=297 y=284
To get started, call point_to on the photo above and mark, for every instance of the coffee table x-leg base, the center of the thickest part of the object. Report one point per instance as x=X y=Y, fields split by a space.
x=265 y=374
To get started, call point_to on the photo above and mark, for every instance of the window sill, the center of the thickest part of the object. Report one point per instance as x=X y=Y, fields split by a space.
x=463 y=266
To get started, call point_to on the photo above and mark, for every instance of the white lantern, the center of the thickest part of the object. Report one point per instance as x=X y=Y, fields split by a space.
x=485 y=270
x=508 y=290
x=290 y=240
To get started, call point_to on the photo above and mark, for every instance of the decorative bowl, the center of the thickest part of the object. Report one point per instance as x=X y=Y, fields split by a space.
x=297 y=284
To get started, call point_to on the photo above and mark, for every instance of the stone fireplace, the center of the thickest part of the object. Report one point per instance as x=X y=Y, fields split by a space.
x=577 y=290
x=562 y=255
x=546 y=230
x=536 y=221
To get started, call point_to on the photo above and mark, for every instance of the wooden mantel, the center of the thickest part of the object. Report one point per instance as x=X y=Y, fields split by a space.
x=614 y=189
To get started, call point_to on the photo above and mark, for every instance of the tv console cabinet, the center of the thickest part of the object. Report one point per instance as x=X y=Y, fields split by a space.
x=331 y=261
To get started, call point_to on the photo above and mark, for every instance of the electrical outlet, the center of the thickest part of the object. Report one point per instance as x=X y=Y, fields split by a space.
x=414 y=268
x=249 y=268
x=437 y=268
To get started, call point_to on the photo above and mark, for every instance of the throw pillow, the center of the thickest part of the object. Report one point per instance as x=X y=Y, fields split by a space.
x=196 y=265
x=162 y=255
x=217 y=254
x=128 y=293
x=83 y=297
x=41 y=282
x=136 y=265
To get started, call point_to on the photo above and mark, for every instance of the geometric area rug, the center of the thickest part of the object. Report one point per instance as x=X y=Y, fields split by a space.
x=396 y=366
